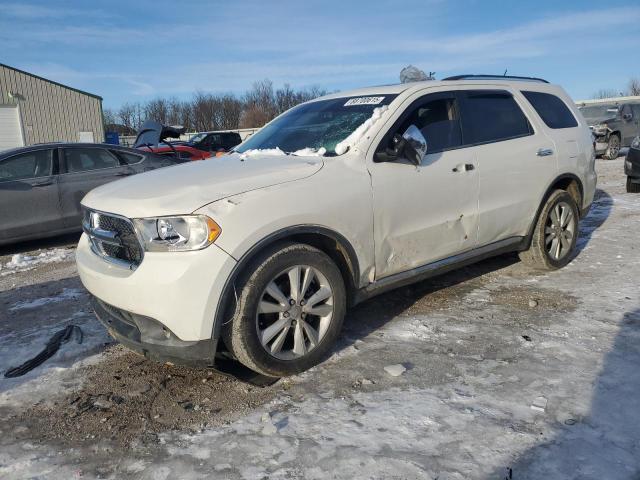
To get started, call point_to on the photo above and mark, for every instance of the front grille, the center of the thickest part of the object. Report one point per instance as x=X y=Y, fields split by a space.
x=113 y=238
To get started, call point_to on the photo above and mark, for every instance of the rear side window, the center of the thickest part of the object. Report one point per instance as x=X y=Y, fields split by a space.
x=231 y=140
x=84 y=159
x=129 y=158
x=553 y=111
x=492 y=116
x=215 y=142
x=26 y=165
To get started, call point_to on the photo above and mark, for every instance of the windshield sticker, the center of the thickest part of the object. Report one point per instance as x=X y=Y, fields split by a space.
x=364 y=101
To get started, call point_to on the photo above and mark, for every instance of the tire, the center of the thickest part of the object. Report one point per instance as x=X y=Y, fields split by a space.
x=548 y=233
x=613 y=148
x=301 y=333
x=632 y=187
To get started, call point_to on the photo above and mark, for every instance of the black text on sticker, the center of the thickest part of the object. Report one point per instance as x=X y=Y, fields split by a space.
x=363 y=101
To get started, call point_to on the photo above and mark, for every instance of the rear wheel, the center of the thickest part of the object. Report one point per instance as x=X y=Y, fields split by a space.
x=613 y=148
x=632 y=187
x=555 y=235
x=289 y=312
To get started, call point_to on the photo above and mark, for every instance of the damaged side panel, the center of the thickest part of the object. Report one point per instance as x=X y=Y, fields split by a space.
x=426 y=213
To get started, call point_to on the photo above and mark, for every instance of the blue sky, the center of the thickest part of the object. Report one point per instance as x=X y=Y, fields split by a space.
x=138 y=50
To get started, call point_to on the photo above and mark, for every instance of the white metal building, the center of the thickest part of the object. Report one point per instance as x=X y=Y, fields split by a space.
x=36 y=110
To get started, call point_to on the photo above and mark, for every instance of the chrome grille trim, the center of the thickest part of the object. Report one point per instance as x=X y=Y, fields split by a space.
x=113 y=238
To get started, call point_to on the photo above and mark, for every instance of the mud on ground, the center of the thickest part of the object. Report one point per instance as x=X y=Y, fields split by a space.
x=128 y=398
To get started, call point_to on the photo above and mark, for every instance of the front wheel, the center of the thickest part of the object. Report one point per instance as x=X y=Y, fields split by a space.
x=555 y=233
x=613 y=148
x=289 y=312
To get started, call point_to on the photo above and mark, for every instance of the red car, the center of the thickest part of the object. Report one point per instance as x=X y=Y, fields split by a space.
x=152 y=135
x=181 y=151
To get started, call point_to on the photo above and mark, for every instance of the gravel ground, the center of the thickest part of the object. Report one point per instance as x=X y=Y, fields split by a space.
x=506 y=374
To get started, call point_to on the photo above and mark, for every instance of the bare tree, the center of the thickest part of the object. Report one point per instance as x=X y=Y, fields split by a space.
x=634 y=86
x=203 y=111
x=109 y=117
x=126 y=114
x=230 y=109
x=158 y=110
x=206 y=111
x=605 y=93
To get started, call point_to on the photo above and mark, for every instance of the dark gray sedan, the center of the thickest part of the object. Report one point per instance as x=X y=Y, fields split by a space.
x=41 y=186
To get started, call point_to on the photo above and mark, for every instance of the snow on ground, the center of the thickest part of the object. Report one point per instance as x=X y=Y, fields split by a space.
x=507 y=374
x=21 y=262
x=66 y=294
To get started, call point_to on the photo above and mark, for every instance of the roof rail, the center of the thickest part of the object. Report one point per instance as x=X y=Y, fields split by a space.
x=496 y=77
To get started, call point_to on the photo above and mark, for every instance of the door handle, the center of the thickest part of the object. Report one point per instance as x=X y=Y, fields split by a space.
x=42 y=184
x=544 y=152
x=463 y=167
x=124 y=174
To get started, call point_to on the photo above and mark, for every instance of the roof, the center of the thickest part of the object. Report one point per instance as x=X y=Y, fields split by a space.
x=399 y=88
x=51 y=81
x=42 y=146
x=611 y=100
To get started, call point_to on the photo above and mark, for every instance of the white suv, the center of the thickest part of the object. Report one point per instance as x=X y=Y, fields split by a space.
x=258 y=254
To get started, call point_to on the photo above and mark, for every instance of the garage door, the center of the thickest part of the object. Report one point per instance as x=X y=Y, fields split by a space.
x=10 y=131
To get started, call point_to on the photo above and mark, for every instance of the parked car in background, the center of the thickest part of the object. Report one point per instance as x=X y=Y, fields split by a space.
x=154 y=137
x=258 y=254
x=41 y=186
x=614 y=123
x=215 y=141
x=632 y=166
x=184 y=152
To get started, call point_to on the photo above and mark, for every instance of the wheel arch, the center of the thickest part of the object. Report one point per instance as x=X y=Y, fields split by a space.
x=568 y=182
x=334 y=244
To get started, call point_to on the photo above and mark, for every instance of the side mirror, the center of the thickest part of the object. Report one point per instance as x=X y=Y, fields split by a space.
x=414 y=145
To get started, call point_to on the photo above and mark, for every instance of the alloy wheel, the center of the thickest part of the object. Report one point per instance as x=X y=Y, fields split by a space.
x=614 y=147
x=294 y=312
x=560 y=230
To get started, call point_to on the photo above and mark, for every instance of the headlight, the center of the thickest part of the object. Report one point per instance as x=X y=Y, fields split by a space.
x=600 y=129
x=636 y=143
x=176 y=234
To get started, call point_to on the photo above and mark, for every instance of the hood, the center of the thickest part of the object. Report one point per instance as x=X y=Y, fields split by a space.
x=599 y=120
x=184 y=188
x=152 y=133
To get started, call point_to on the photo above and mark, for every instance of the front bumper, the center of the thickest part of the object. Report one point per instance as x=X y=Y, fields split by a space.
x=180 y=290
x=150 y=338
x=632 y=163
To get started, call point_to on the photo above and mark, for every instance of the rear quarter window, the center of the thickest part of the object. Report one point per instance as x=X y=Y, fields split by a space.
x=129 y=158
x=553 y=111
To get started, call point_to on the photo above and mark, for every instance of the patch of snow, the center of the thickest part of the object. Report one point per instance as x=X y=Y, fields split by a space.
x=539 y=404
x=310 y=152
x=359 y=132
x=395 y=370
x=262 y=151
x=67 y=294
x=21 y=262
x=269 y=429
